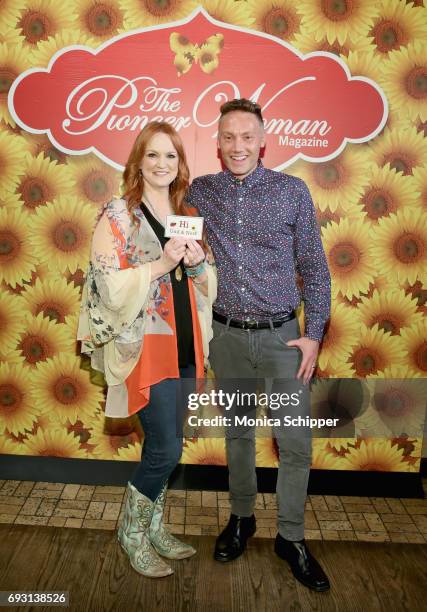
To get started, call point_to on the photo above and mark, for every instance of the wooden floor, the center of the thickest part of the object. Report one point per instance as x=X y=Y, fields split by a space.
x=91 y=566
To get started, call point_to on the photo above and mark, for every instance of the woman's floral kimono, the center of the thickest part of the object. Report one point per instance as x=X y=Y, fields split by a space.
x=127 y=323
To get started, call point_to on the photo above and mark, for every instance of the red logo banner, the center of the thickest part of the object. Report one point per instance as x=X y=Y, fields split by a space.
x=98 y=100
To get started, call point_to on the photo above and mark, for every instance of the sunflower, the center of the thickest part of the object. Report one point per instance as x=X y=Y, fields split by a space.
x=403 y=149
x=204 y=451
x=140 y=13
x=64 y=389
x=415 y=341
x=392 y=310
x=9 y=11
x=419 y=293
x=8 y=447
x=13 y=60
x=421 y=126
x=95 y=181
x=42 y=182
x=77 y=278
x=11 y=37
x=61 y=233
x=54 y=443
x=348 y=210
x=46 y=49
x=420 y=186
x=267 y=452
x=337 y=18
x=364 y=63
x=17 y=411
x=12 y=154
x=129 y=453
x=380 y=283
x=341 y=370
x=11 y=321
x=346 y=247
x=399 y=245
x=401 y=405
x=42 y=19
x=340 y=336
x=368 y=424
x=347 y=400
x=387 y=192
x=99 y=19
x=306 y=43
x=338 y=446
x=17 y=261
x=229 y=12
x=375 y=350
x=397 y=25
x=37 y=144
x=375 y=455
x=336 y=181
x=106 y=444
x=323 y=458
x=10 y=200
x=42 y=339
x=276 y=17
x=55 y=299
x=404 y=79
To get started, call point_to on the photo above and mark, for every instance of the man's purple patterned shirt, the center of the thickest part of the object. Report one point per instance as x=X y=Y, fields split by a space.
x=261 y=231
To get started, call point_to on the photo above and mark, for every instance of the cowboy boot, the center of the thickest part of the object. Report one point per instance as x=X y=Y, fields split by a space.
x=133 y=536
x=164 y=542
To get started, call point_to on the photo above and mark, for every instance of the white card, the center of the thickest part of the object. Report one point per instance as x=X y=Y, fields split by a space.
x=186 y=227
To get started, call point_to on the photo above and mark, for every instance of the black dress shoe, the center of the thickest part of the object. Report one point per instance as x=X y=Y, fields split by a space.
x=304 y=566
x=231 y=543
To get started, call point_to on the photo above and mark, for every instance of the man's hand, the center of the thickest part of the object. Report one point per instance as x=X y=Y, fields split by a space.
x=309 y=349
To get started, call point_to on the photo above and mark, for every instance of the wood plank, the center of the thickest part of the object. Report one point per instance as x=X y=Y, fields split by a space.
x=90 y=564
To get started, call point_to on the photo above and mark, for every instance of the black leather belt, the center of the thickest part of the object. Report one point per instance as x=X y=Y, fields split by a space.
x=251 y=323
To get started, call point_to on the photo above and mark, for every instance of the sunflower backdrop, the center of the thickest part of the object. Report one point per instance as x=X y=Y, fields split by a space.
x=371 y=202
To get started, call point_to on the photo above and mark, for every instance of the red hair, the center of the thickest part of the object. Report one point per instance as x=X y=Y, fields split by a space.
x=133 y=180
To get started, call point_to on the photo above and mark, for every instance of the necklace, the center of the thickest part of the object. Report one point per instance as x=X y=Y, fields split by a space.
x=178 y=269
x=152 y=209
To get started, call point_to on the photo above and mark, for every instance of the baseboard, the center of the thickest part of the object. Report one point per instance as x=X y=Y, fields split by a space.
x=209 y=477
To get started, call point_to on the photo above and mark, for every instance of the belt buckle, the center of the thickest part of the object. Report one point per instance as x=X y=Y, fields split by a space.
x=251 y=323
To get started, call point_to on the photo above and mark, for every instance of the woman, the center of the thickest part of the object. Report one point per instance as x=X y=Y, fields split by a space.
x=145 y=321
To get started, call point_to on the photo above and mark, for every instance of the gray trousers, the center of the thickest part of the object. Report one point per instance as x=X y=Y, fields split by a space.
x=257 y=354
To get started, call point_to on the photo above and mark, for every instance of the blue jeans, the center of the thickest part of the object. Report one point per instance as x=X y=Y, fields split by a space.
x=162 y=447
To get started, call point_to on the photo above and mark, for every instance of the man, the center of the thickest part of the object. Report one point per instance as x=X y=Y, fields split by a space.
x=262 y=229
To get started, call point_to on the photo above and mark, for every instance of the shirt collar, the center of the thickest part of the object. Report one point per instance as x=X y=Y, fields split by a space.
x=254 y=177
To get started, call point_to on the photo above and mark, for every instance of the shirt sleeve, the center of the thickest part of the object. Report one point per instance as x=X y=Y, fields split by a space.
x=312 y=265
x=194 y=197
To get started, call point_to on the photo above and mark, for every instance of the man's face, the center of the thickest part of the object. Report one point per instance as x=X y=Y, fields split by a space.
x=240 y=138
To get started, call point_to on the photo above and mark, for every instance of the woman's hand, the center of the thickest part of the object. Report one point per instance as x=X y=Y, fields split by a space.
x=194 y=254
x=172 y=254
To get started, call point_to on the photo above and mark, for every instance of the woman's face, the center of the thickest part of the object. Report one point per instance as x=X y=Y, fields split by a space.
x=159 y=164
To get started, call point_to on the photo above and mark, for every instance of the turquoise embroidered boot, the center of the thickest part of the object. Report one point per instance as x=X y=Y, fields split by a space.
x=164 y=542
x=133 y=535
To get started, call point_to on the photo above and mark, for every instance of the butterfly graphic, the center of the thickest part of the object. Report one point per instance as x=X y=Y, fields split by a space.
x=187 y=53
